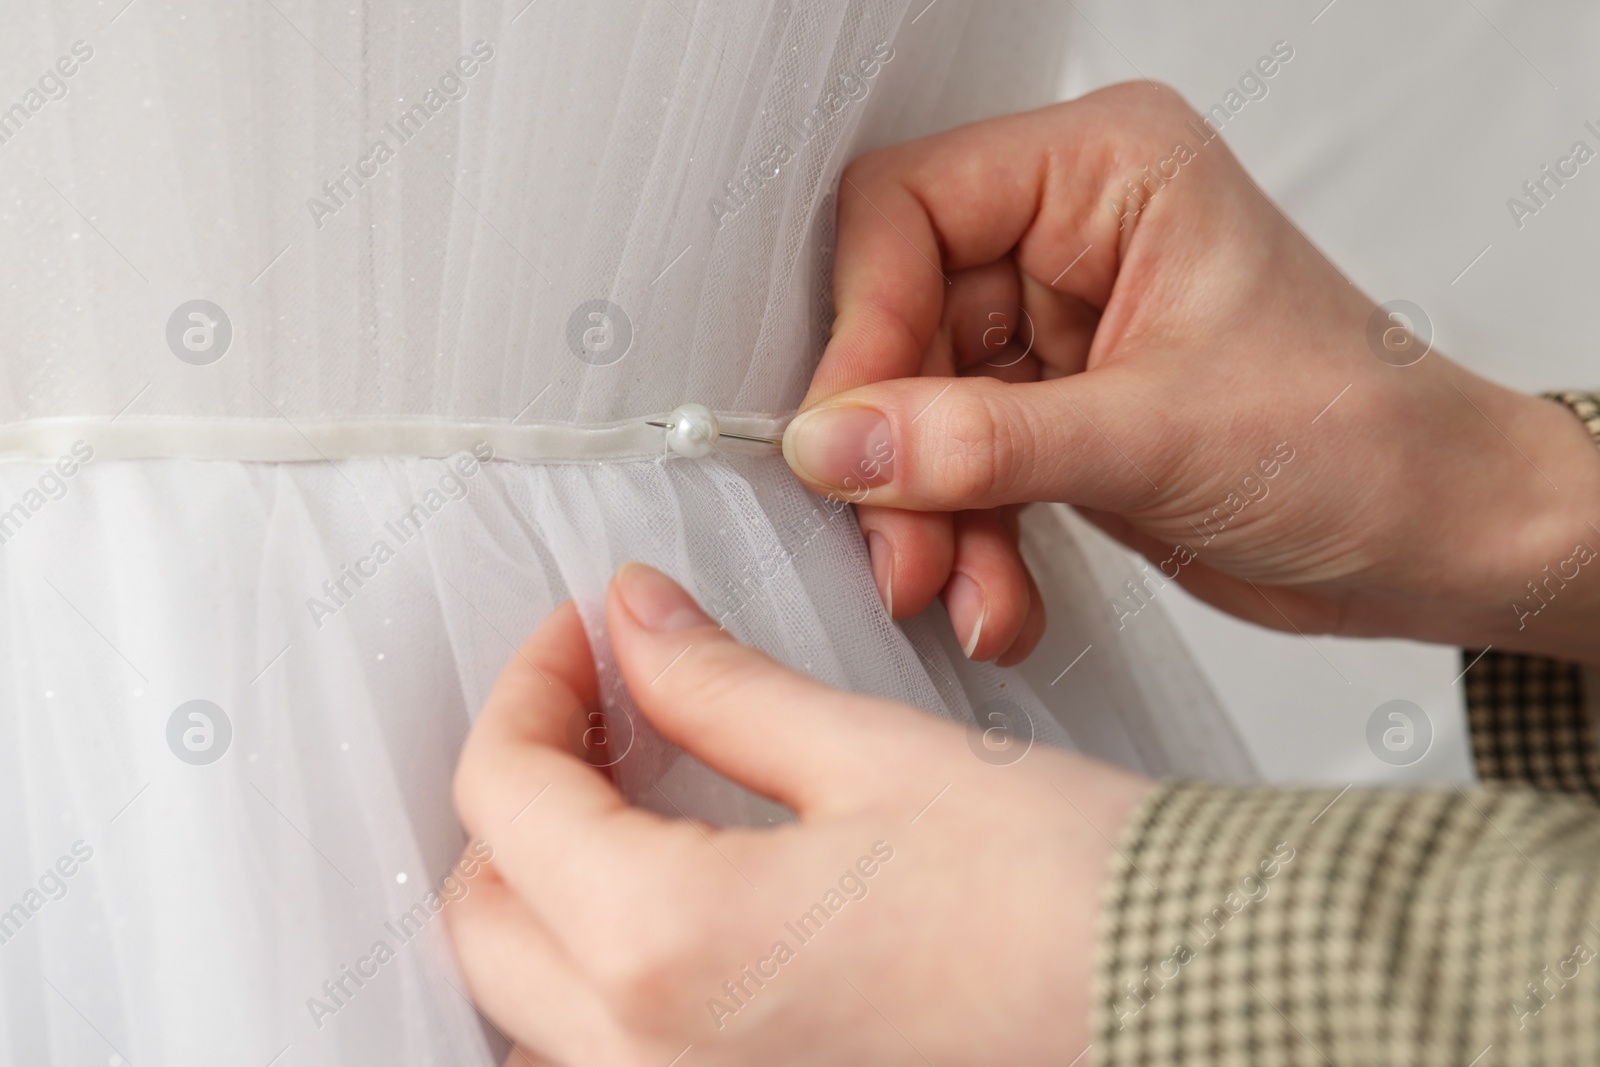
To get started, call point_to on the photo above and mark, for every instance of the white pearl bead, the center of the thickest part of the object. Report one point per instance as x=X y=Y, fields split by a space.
x=692 y=431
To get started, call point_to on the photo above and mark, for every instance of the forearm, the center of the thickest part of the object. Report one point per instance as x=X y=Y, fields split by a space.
x=1264 y=926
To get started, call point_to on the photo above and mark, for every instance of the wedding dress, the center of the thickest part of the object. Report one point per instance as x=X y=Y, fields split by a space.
x=332 y=336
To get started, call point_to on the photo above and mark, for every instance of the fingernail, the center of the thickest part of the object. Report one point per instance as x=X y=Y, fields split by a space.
x=656 y=601
x=847 y=447
x=882 y=567
x=964 y=599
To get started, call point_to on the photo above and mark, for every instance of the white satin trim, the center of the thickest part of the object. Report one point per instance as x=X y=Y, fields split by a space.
x=282 y=441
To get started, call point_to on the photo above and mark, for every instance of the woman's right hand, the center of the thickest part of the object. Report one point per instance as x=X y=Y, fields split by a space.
x=1176 y=359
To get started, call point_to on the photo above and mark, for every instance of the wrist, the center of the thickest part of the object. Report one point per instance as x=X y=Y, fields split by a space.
x=1106 y=803
x=1538 y=544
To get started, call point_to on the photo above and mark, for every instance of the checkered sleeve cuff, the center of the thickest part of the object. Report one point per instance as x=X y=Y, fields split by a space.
x=1445 y=928
x=1530 y=723
x=1586 y=406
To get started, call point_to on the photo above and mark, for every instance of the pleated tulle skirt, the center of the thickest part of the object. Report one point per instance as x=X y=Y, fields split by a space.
x=234 y=694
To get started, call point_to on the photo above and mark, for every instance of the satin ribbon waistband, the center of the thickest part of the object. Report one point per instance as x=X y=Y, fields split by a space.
x=282 y=441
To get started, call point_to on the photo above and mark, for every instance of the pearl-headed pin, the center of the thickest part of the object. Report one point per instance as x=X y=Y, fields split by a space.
x=693 y=430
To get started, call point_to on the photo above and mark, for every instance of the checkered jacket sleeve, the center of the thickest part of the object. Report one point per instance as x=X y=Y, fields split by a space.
x=1443 y=928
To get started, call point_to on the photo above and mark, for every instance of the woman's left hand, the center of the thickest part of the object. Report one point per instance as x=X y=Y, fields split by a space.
x=936 y=900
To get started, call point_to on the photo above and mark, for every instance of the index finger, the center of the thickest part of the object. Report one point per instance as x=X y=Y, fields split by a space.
x=1036 y=184
x=613 y=884
x=519 y=787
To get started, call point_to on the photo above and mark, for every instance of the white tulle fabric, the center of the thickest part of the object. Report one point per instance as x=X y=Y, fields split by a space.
x=376 y=340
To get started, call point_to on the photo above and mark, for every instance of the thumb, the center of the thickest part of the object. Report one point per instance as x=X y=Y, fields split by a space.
x=957 y=444
x=775 y=731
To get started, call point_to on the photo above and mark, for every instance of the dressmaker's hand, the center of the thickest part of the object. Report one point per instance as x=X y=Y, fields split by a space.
x=1190 y=371
x=926 y=903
